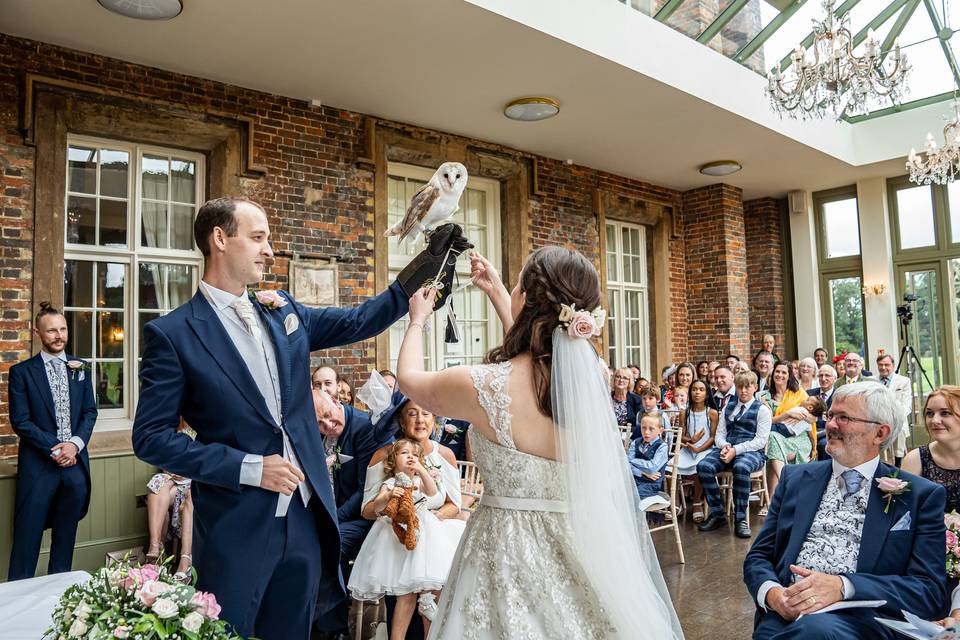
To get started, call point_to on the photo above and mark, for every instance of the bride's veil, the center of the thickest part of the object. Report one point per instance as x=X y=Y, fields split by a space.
x=610 y=534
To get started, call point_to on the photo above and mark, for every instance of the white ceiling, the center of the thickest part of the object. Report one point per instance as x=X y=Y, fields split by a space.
x=452 y=65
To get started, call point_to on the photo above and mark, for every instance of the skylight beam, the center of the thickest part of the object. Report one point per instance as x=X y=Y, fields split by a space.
x=751 y=47
x=722 y=20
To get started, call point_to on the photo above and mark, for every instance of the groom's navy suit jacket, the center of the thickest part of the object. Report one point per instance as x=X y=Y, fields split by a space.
x=906 y=567
x=191 y=368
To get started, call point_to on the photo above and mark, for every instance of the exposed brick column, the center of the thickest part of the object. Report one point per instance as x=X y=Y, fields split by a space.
x=718 y=315
x=765 y=271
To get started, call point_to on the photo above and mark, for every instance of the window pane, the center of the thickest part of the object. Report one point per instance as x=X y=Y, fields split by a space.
x=114 y=176
x=81 y=220
x=915 y=217
x=179 y=284
x=113 y=223
x=953 y=201
x=627 y=248
x=80 y=327
x=847 y=307
x=925 y=326
x=110 y=385
x=181 y=227
x=150 y=286
x=77 y=283
x=183 y=185
x=154 y=175
x=154 y=230
x=613 y=272
x=841 y=228
x=110 y=330
x=110 y=281
x=82 y=170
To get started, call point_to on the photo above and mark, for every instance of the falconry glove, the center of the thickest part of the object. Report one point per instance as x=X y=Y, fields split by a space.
x=435 y=265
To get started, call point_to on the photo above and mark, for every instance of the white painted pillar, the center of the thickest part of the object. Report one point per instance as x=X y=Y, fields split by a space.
x=876 y=250
x=806 y=277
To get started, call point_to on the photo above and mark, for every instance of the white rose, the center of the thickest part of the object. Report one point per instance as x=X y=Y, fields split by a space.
x=77 y=629
x=83 y=611
x=165 y=608
x=193 y=621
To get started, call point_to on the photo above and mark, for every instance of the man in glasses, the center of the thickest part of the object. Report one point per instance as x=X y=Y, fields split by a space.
x=849 y=529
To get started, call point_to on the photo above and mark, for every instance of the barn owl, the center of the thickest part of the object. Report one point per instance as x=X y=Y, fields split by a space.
x=434 y=203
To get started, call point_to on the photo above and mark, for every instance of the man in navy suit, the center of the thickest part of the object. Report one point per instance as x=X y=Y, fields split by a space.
x=834 y=534
x=236 y=367
x=53 y=410
x=827 y=376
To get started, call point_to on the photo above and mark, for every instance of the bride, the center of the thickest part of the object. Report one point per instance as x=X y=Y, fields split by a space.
x=557 y=548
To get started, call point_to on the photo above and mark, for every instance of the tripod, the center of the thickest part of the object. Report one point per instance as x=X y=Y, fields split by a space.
x=914 y=372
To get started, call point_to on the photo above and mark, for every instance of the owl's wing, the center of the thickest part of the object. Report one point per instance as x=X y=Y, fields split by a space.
x=420 y=204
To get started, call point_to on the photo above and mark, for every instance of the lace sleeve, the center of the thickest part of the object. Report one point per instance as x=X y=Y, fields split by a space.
x=490 y=381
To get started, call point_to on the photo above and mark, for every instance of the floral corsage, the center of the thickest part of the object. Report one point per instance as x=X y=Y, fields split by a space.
x=892 y=486
x=78 y=369
x=269 y=299
x=581 y=323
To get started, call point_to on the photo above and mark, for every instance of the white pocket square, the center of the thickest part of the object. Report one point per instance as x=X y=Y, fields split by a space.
x=903 y=524
x=291 y=323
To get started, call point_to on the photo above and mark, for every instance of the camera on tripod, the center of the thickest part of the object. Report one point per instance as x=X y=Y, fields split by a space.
x=905 y=310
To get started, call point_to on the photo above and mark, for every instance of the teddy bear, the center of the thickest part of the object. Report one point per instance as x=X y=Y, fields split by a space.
x=403 y=513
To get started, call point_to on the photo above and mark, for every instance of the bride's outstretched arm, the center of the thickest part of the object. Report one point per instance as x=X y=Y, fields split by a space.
x=446 y=393
x=485 y=277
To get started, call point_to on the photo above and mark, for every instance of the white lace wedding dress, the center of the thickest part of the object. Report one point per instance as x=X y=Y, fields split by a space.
x=516 y=574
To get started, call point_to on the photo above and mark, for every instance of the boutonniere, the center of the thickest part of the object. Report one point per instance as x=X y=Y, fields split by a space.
x=435 y=473
x=78 y=369
x=334 y=461
x=892 y=486
x=268 y=298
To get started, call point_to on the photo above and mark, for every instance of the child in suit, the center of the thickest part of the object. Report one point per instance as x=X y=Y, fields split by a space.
x=648 y=456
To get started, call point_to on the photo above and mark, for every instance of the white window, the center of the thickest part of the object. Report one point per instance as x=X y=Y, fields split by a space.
x=479 y=215
x=129 y=256
x=627 y=315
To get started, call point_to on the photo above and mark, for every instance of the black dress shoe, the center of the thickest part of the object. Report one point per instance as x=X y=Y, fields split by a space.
x=715 y=521
x=742 y=529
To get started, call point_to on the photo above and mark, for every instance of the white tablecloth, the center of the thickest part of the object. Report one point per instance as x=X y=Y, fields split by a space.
x=26 y=606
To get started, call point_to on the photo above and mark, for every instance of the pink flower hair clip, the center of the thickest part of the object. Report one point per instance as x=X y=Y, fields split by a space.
x=581 y=323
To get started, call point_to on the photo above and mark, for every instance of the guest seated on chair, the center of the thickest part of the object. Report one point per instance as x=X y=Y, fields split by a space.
x=741 y=439
x=827 y=377
x=699 y=428
x=848 y=529
x=626 y=405
x=792 y=439
x=170 y=515
x=648 y=456
x=349 y=444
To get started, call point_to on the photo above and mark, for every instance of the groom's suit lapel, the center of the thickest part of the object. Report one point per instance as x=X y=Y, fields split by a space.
x=39 y=373
x=214 y=338
x=271 y=320
x=811 y=485
x=876 y=524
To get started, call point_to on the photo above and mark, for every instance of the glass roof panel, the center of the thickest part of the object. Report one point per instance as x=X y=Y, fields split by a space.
x=693 y=16
x=741 y=29
x=784 y=39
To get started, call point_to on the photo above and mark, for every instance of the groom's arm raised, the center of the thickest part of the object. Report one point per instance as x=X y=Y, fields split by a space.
x=155 y=437
x=332 y=326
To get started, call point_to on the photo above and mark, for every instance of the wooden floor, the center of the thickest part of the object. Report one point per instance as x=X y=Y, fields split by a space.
x=708 y=591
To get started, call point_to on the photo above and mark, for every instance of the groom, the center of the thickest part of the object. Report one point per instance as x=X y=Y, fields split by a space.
x=236 y=368
x=834 y=532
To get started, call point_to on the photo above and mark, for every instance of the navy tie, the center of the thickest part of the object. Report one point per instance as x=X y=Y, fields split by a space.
x=851 y=482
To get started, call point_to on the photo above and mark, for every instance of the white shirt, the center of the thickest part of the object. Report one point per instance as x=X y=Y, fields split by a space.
x=261 y=360
x=868 y=469
x=47 y=357
x=759 y=441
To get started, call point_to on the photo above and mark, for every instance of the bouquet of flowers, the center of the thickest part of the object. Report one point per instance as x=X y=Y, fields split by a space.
x=952 y=520
x=141 y=602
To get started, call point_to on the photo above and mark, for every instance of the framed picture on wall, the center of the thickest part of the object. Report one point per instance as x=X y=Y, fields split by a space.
x=314 y=284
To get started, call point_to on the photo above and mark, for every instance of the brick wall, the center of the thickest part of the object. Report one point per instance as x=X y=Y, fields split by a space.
x=765 y=269
x=716 y=270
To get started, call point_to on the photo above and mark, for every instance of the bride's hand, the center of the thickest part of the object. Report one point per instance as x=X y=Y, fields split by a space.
x=483 y=274
x=421 y=304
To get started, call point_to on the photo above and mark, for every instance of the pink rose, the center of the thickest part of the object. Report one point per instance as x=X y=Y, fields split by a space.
x=582 y=325
x=891 y=485
x=121 y=632
x=951 y=540
x=74 y=364
x=150 y=572
x=206 y=605
x=450 y=428
x=271 y=299
x=150 y=591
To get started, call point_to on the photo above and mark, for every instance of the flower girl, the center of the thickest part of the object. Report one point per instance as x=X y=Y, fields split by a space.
x=411 y=555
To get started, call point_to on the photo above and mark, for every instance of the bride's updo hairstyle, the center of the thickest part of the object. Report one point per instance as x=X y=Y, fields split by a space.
x=552 y=276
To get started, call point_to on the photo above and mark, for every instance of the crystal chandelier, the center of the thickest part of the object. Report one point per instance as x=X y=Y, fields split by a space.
x=942 y=164
x=829 y=78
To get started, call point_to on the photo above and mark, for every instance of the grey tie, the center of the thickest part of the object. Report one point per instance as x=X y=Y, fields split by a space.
x=851 y=482
x=60 y=388
x=886 y=382
x=247 y=315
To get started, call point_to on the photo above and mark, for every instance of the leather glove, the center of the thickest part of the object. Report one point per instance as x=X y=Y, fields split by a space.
x=436 y=264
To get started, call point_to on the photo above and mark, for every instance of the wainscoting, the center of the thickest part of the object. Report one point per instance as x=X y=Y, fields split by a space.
x=117 y=518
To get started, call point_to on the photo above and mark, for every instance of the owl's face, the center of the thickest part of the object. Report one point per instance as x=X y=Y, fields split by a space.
x=453 y=176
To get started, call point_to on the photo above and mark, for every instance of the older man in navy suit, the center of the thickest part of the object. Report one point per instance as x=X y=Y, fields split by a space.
x=847 y=529
x=827 y=376
x=236 y=366
x=53 y=410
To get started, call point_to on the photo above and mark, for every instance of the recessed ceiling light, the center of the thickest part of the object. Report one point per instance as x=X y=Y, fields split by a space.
x=721 y=168
x=531 y=108
x=144 y=9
